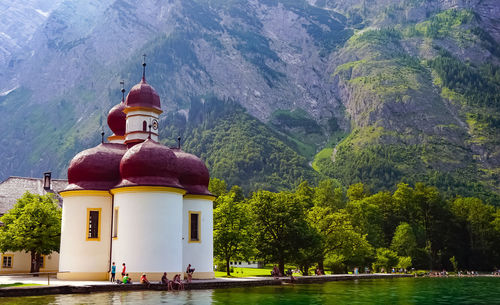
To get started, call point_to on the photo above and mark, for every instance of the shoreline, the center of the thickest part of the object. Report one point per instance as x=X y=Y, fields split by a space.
x=82 y=288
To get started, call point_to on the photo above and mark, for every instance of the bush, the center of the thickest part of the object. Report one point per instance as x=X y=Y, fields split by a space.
x=386 y=259
x=404 y=262
x=336 y=264
x=221 y=265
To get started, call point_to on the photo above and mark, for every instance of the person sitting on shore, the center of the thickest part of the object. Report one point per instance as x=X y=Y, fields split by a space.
x=319 y=271
x=166 y=282
x=127 y=279
x=189 y=273
x=178 y=282
x=276 y=272
x=144 y=280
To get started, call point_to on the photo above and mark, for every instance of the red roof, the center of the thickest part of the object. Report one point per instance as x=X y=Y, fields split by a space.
x=193 y=173
x=149 y=164
x=97 y=168
x=117 y=119
x=143 y=95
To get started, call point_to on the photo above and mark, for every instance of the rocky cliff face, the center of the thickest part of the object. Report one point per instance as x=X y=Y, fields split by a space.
x=315 y=71
x=19 y=20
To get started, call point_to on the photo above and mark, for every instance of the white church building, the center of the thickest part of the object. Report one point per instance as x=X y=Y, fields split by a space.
x=135 y=201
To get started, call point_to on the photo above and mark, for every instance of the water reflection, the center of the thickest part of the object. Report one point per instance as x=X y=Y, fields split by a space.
x=202 y=297
x=395 y=291
x=28 y=300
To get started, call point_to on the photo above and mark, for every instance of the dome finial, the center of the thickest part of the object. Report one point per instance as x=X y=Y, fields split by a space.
x=123 y=90
x=179 y=142
x=102 y=137
x=149 y=136
x=144 y=67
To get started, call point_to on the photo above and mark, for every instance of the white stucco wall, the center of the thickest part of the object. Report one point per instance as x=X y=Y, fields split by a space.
x=149 y=232
x=21 y=263
x=134 y=123
x=77 y=254
x=198 y=254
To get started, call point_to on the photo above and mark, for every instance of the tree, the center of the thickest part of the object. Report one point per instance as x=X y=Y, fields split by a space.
x=280 y=226
x=357 y=191
x=388 y=214
x=217 y=187
x=308 y=252
x=428 y=215
x=329 y=193
x=454 y=263
x=367 y=217
x=405 y=205
x=305 y=193
x=231 y=222
x=338 y=237
x=237 y=192
x=404 y=241
x=386 y=259
x=477 y=219
x=404 y=262
x=32 y=225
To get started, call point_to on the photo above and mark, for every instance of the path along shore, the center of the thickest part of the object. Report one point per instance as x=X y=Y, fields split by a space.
x=68 y=287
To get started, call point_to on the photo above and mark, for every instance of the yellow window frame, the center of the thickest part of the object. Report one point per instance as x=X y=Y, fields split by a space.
x=199 y=227
x=11 y=261
x=87 y=238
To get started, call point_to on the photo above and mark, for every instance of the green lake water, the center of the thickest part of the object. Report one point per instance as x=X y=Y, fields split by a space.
x=478 y=290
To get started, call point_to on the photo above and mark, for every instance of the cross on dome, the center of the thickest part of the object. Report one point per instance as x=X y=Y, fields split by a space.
x=123 y=90
x=144 y=67
x=117 y=118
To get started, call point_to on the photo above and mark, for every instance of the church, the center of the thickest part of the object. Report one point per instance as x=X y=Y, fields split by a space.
x=135 y=201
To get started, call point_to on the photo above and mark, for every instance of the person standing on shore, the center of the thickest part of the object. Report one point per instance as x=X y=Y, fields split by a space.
x=124 y=269
x=189 y=273
x=113 y=272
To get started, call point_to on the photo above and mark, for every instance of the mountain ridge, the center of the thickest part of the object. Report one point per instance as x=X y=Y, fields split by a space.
x=371 y=79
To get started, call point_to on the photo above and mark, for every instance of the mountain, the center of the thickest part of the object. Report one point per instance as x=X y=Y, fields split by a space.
x=268 y=92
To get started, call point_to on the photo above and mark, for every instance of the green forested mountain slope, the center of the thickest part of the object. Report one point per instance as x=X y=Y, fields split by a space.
x=239 y=148
x=425 y=105
x=375 y=91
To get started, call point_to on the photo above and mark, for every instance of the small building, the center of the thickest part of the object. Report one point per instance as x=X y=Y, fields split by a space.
x=12 y=189
x=133 y=200
x=246 y=264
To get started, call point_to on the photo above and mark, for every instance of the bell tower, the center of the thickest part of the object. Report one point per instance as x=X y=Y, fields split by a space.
x=142 y=108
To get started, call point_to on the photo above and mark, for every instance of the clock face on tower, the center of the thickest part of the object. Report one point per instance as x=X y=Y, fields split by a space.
x=155 y=124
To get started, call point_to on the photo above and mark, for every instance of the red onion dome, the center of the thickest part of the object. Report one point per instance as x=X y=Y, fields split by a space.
x=149 y=163
x=143 y=95
x=193 y=173
x=117 y=119
x=97 y=168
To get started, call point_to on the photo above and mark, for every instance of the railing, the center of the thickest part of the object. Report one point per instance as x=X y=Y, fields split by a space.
x=34 y=274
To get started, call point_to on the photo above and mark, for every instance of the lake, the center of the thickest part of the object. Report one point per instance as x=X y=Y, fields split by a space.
x=466 y=290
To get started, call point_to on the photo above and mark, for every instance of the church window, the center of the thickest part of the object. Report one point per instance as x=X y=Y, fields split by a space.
x=144 y=126
x=194 y=226
x=93 y=224
x=7 y=260
x=115 y=223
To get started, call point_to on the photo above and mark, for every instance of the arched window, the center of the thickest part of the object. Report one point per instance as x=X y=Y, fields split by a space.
x=144 y=126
